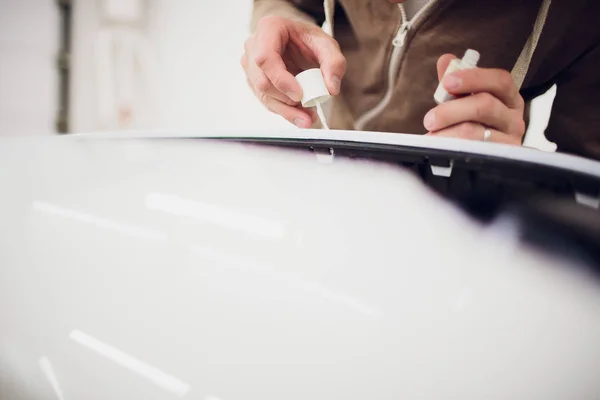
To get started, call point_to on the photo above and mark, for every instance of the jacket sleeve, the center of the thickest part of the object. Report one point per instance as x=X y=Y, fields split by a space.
x=575 y=119
x=310 y=11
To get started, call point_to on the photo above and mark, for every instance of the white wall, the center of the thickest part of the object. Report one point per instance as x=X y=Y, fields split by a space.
x=199 y=82
x=200 y=44
x=29 y=40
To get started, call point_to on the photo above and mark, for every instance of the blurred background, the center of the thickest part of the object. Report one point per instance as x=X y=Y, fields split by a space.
x=98 y=65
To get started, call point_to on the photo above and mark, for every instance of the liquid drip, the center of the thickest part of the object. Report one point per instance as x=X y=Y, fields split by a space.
x=321 y=115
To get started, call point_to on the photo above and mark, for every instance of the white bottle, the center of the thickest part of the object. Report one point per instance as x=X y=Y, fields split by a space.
x=469 y=60
x=314 y=91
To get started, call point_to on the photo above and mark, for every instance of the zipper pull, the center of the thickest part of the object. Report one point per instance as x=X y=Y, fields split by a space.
x=401 y=35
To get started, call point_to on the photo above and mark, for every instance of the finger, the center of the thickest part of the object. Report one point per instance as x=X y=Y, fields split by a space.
x=271 y=39
x=330 y=59
x=275 y=70
x=474 y=131
x=443 y=63
x=497 y=82
x=264 y=87
x=296 y=115
x=259 y=82
x=482 y=108
x=312 y=112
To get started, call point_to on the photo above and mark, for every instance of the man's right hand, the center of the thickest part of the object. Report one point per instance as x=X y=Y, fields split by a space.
x=282 y=48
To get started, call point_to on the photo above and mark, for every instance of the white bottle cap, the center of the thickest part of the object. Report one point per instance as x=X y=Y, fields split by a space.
x=314 y=90
x=471 y=58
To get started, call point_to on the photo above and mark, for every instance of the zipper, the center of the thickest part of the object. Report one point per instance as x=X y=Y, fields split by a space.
x=400 y=37
x=398 y=51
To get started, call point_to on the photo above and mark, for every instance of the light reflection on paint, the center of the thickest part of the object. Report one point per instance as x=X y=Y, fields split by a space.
x=215 y=214
x=48 y=371
x=153 y=374
x=99 y=222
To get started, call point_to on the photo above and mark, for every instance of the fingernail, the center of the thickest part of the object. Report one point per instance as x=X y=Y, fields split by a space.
x=294 y=96
x=452 y=82
x=301 y=123
x=429 y=120
x=337 y=83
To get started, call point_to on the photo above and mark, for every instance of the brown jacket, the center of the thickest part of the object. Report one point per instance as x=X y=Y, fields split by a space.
x=567 y=54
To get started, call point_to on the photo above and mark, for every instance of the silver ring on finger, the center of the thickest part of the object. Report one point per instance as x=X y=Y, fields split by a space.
x=487 y=133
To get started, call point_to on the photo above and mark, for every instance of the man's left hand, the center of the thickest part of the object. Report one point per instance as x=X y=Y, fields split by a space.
x=486 y=99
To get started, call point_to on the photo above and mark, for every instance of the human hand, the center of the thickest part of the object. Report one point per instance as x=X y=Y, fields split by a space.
x=487 y=99
x=279 y=50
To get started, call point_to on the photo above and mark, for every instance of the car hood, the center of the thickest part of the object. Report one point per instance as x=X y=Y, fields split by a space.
x=161 y=268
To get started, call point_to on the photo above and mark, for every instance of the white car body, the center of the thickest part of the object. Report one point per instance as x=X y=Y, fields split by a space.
x=140 y=268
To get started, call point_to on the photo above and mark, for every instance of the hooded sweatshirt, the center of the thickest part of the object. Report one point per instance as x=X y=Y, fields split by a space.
x=391 y=59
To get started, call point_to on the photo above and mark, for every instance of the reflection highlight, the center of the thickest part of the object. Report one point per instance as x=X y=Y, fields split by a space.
x=232 y=219
x=48 y=371
x=153 y=374
x=99 y=222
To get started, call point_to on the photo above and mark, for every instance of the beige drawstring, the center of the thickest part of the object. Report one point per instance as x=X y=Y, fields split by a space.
x=522 y=65
x=329 y=7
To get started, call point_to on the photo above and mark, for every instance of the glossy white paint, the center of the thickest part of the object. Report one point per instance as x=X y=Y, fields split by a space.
x=158 y=269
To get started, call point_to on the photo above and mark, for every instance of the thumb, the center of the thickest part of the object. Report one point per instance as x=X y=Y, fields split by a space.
x=330 y=59
x=443 y=63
